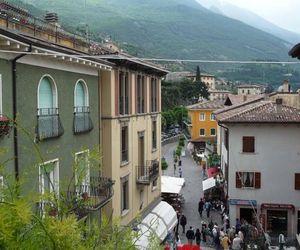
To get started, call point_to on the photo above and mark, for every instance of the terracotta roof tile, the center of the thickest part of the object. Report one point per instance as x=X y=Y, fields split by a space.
x=260 y=112
x=212 y=104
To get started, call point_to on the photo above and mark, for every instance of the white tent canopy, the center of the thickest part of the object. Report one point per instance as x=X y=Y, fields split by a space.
x=159 y=221
x=171 y=184
x=208 y=183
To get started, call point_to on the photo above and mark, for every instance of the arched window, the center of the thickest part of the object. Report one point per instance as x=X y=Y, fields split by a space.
x=81 y=96
x=49 y=124
x=47 y=96
x=82 y=119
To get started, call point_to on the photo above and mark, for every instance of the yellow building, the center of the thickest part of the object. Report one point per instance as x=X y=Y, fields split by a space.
x=208 y=79
x=130 y=133
x=203 y=126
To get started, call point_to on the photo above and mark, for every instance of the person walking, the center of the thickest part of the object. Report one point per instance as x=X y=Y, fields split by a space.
x=198 y=236
x=200 y=207
x=190 y=235
x=281 y=241
x=180 y=172
x=174 y=168
x=236 y=243
x=225 y=242
x=207 y=208
x=183 y=222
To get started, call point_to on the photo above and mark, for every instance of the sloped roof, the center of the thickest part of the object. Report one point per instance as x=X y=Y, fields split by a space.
x=249 y=86
x=212 y=104
x=260 y=112
x=236 y=99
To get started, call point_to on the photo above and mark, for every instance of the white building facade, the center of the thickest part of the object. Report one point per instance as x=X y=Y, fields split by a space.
x=260 y=156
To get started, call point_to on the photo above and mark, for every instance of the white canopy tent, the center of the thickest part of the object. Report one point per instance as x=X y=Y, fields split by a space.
x=208 y=183
x=171 y=184
x=159 y=221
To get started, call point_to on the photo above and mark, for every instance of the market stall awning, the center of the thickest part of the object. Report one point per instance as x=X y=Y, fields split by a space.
x=212 y=171
x=208 y=183
x=161 y=220
x=171 y=184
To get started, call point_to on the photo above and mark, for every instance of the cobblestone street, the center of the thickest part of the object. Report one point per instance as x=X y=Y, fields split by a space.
x=192 y=191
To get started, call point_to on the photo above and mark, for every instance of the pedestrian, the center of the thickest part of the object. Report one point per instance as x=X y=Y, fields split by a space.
x=178 y=222
x=236 y=243
x=237 y=226
x=198 y=236
x=180 y=172
x=216 y=237
x=174 y=168
x=207 y=208
x=179 y=163
x=203 y=232
x=242 y=236
x=200 y=207
x=190 y=235
x=183 y=222
x=225 y=242
x=281 y=241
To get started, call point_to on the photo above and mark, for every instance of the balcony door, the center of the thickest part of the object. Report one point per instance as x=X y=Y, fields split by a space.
x=141 y=154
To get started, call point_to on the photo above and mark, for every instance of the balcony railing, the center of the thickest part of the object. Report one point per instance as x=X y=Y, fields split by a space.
x=146 y=174
x=82 y=120
x=90 y=197
x=48 y=123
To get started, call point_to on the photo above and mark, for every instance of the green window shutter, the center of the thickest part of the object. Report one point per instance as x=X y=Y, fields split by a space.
x=45 y=94
x=80 y=95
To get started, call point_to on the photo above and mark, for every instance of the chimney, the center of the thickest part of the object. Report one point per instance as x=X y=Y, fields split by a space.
x=244 y=98
x=286 y=86
x=278 y=105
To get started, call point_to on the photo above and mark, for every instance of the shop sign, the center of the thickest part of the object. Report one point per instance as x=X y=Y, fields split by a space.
x=242 y=202
x=277 y=206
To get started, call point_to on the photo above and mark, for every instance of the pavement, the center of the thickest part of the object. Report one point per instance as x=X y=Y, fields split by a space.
x=192 y=191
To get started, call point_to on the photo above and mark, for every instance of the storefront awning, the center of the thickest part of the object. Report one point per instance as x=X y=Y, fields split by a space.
x=171 y=184
x=208 y=183
x=161 y=220
x=212 y=171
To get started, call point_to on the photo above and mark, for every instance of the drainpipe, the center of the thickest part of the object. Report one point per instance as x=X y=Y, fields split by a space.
x=14 y=99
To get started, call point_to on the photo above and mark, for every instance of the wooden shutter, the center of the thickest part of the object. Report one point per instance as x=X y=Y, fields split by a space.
x=257 y=180
x=248 y=144
x=297 y=181
x=238 y=182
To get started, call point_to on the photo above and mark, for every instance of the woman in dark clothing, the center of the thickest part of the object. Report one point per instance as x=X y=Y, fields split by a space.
x=203 y=232
x=198 y=237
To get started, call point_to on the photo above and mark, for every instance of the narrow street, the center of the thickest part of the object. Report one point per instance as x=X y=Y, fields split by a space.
x=192 y=191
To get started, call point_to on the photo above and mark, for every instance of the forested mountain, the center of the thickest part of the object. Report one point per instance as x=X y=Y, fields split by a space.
x=169 y=28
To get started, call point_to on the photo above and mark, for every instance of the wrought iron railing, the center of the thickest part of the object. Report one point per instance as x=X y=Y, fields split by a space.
x=146 y=174
x=90 y=197
x=48 y=123
x=82 y=120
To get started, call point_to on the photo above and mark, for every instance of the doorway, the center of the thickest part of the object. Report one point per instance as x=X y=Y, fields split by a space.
x=277 y=222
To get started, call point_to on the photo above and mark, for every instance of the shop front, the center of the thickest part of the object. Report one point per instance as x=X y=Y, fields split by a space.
x=245 y=210
x=278 y=218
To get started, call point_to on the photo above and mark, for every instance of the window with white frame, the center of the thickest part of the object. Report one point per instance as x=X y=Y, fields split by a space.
x=202 y=116
x=124 y=194
x=212 y=117
x=82 y=172
x=213 y=132
x=81 y=98
x=202 y=131
x=49 y=177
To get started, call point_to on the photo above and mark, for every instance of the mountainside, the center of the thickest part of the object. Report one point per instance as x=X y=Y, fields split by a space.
x=169 y=28
x=250 y=18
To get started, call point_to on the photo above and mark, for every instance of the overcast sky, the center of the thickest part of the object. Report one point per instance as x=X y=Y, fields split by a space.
x=284 y=13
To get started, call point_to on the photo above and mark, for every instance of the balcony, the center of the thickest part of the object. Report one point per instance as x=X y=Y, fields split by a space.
x=146 y=174
x=82 y=120
x=48 y=124
x=90 y=197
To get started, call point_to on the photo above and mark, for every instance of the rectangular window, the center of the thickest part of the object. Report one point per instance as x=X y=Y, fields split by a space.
x=154 y=135
x=49 y=177
x=140 y=94
x=123 y=93
x=202 y=132
x=248 y=180
x=202 y=117
x=124 y=194
x=248 y=144
x=154 y=89
x=213 y=132
x=124 y=144
x=297 y=181
x=82 y=172
x=212 y=117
